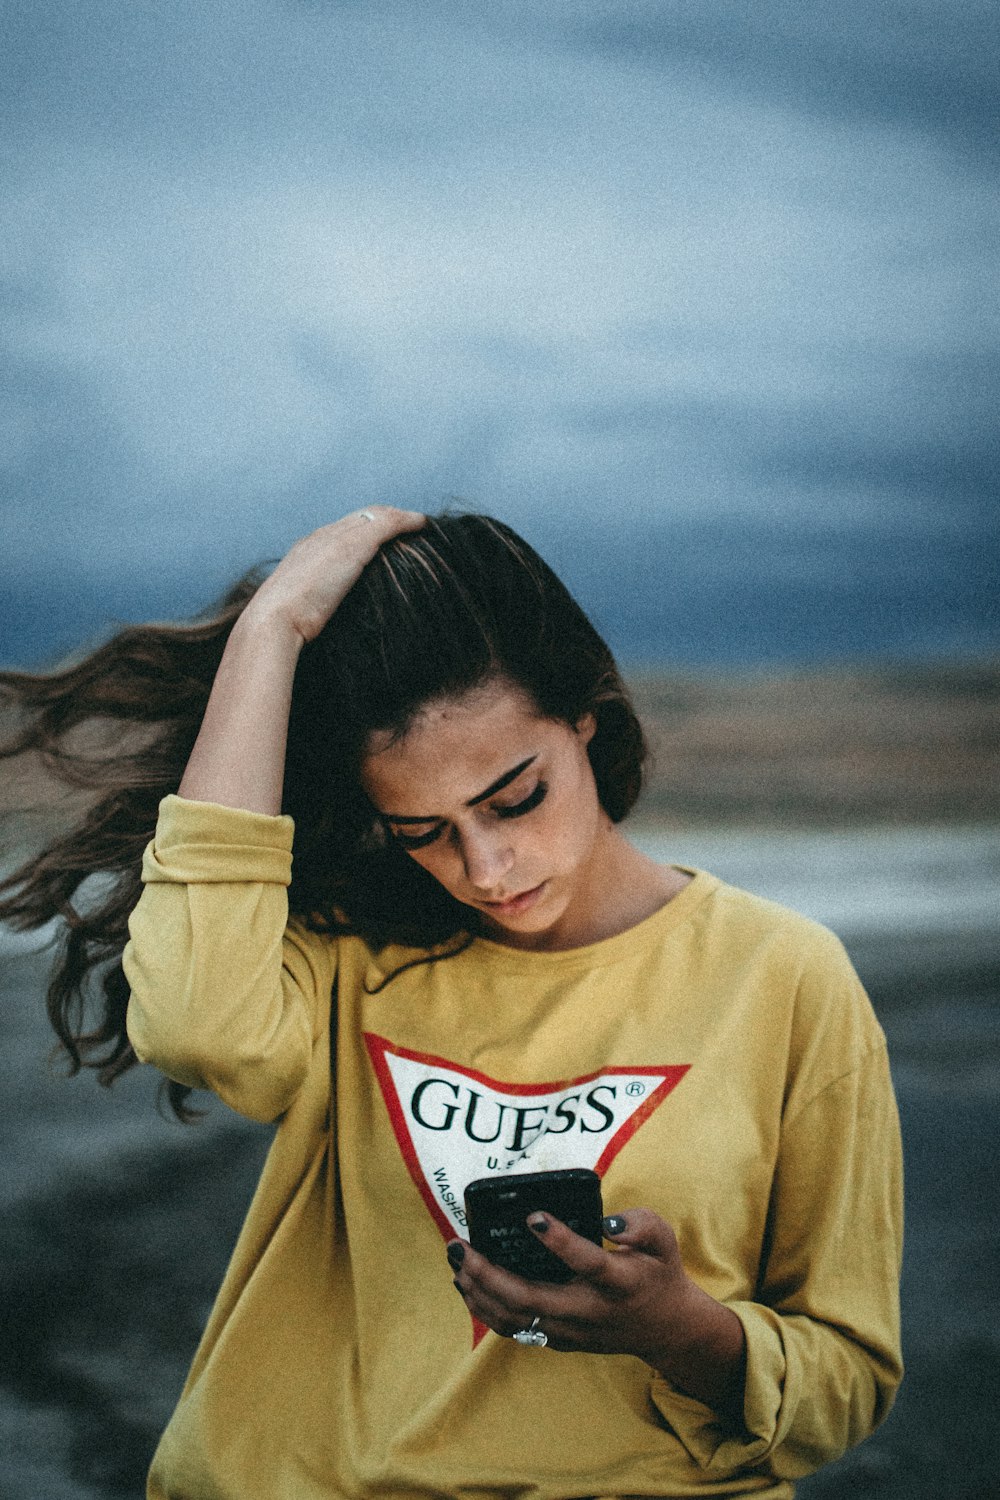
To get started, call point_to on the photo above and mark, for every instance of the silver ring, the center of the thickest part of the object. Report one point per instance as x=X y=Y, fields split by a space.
x=531 y=1338
x=366 y=515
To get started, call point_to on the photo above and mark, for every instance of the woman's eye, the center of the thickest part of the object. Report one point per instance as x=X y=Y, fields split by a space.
x=520 y=808
x=414 y=840
x=516 y=810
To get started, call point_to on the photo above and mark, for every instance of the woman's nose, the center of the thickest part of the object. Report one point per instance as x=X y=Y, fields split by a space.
x=487 y=857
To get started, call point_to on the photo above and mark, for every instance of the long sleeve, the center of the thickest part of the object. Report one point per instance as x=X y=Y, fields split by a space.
x=224 y=991
x=822 y=1330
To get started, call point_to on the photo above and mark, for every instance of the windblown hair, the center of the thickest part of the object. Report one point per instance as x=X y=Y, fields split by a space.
x=437 y=613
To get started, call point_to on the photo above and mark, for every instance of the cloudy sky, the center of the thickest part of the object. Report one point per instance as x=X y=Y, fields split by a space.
x=700 y=296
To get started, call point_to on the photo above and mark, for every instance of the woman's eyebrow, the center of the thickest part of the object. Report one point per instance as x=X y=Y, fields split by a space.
x=491 y=791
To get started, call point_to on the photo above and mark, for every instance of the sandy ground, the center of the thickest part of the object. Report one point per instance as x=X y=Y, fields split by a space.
x=898 y=745
x=117 y=1224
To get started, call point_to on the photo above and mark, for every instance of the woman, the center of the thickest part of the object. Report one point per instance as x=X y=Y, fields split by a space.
x=479 y=975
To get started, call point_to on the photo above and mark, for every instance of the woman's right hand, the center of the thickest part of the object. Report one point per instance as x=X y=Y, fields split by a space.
x=320 y=569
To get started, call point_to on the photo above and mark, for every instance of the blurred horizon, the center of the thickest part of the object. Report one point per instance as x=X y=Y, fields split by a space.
x=675 y=604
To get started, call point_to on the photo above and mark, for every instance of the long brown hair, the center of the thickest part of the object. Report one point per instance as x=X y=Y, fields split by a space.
x=435 y=614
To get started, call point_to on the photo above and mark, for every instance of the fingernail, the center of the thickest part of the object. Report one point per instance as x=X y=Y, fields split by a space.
x=614 y=1224
x=458 y=1289
x=456 y=1255
x=539 y=1223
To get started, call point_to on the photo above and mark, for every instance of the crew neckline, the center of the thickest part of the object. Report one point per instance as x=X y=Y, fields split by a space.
x=610 y=949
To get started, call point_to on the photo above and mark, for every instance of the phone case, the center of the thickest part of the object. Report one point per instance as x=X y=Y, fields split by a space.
x=496 y=1208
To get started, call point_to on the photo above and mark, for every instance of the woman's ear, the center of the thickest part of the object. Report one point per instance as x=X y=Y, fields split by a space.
x=586 y=728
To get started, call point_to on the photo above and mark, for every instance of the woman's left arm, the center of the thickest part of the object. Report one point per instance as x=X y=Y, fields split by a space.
x=810 y=1365
x=823 y=1332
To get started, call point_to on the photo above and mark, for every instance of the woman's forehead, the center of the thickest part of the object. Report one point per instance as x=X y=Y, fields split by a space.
x=498 y=703
x=454 y=749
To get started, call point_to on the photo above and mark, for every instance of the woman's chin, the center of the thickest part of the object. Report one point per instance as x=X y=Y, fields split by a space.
x=540 y=925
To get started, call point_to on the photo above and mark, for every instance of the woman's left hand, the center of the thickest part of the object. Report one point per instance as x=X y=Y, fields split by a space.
x=635 y=1299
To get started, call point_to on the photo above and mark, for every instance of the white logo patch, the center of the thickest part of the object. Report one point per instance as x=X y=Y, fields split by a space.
x=454 y=1125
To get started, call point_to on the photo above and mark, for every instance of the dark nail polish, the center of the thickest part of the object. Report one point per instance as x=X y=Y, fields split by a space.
x=456 y=1255
x=458 y=1289
x=614 y=1224
x=539 y=1223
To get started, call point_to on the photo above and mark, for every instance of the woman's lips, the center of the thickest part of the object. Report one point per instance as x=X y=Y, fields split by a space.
x=514 y=905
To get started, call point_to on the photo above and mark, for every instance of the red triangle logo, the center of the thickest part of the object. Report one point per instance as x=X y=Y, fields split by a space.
x=454 y=1124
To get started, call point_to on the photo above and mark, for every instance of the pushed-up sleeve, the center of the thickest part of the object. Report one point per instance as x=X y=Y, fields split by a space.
x=226 y=995
x=822 y=1330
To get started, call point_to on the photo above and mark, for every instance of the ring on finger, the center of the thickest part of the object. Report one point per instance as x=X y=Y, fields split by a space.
x=531 y=1338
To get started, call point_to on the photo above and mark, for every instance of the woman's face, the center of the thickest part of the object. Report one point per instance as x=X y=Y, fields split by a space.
x=500 y=806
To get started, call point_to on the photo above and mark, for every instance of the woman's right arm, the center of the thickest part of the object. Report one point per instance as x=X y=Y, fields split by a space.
x=238 y=759
x=224 y=991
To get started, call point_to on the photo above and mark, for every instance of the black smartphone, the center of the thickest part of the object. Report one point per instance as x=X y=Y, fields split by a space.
x=496 y=1208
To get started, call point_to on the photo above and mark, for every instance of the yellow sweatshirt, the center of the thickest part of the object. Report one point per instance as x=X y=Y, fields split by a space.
x=718 y=1063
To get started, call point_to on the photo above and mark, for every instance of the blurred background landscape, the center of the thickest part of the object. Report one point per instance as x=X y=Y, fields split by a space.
x=701 y=299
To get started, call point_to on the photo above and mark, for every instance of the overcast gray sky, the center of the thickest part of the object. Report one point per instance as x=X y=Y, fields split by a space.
x=711 y=281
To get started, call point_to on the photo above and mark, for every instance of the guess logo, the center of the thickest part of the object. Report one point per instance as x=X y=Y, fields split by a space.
x=453 y=1124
